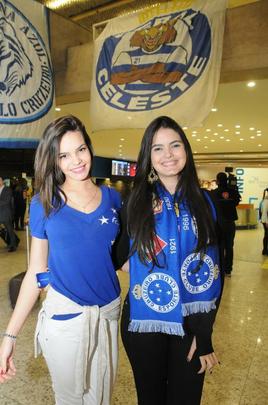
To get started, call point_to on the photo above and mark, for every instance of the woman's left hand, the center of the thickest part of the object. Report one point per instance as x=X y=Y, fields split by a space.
x=207 y=361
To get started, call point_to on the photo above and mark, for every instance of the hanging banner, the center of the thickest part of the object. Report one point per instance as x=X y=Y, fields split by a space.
x=165 y=60
x=26 y=80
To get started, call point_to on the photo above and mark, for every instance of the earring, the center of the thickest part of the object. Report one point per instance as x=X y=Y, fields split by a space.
x=152 y=176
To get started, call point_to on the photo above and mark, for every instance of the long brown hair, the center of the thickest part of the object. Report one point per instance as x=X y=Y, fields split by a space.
x=141 y=226
x=48 y=175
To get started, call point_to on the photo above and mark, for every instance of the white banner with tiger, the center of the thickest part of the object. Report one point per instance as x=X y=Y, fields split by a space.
x=164 y=60
x=26 y=80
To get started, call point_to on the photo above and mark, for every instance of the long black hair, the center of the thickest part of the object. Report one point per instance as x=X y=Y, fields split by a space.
x=141 y=226
x=48 y=175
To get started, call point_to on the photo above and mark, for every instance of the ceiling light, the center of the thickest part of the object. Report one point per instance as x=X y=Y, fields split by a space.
x=205 y=137
x=198 y=140
x=54 y=4
x=120 y=146
x=206 y=147
x=251 y=128
x=129 y=117
x=193 y=135
x=221 y=137
x=251 y=84
x=226 y=130
x=260 y=144
x=184 y=128
x=215 y=133
x=241 y=139
x=237 y=132
x=237 y=126
x=258 y=134
x=258 y=131
x=252 y=137
x=219 y=125
x=214 y=109
x=122 y=139
x=241 y=150
x=208 y=130
x=57 y=109
x=194 y=132
x=227 y=140
x=212 y=140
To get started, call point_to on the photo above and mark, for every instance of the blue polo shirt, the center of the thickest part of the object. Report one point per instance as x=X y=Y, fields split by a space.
x=80 y=248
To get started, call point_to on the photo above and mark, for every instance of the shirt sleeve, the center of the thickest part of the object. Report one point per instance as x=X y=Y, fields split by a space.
x=201 y=326
x=121 y=246
x=37 y=220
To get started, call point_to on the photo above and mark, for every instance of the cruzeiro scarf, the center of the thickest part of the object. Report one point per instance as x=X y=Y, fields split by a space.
x=159 y=299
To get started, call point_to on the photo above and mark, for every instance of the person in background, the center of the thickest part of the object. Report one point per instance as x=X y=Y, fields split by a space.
x=264 y=220
x=73 y=225
x=168 y=233
x=6 y=215
x=226 y=198
x=20 y=200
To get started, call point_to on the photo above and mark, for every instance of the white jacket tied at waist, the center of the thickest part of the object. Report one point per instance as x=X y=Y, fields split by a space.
x=96 y=331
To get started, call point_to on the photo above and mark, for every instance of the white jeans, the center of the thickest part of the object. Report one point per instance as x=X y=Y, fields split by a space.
x=81 y=352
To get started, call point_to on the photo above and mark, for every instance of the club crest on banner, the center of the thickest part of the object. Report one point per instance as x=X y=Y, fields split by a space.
x=26 y=82
x=199 y=281
x=160 y=292
x=154 y=64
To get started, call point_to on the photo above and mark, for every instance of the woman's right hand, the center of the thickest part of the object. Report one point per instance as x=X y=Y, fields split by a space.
x=7 y=367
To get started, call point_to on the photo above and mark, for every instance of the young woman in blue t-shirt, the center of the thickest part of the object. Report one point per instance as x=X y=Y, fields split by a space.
x=73 y=225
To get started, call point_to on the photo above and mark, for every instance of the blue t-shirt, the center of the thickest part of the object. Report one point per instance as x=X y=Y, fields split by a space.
x=80 y=246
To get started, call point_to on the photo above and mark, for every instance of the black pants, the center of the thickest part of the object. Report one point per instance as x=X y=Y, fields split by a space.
x=159 y=363
x=227 y=245
x=19 y=216
x=265 y=239
x=11 y=234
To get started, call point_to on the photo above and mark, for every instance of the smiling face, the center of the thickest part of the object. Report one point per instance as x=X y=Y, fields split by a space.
x=74 y=157
x=168 y=155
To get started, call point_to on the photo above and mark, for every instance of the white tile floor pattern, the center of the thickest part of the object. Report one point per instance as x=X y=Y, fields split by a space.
x=240 y=336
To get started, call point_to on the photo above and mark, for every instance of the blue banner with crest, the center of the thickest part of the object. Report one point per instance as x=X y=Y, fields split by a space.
x=26 y=78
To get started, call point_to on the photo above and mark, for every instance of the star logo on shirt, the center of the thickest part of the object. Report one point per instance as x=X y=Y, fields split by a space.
x=113 y=210
x=104 y=220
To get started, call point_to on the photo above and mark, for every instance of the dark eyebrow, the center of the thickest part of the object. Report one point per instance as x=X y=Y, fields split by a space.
x=79 y=147
x=83 y=144
x=171 y=143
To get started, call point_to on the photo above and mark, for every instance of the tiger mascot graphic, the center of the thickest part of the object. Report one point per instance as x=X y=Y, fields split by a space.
x=15 y=66
x=155 y=54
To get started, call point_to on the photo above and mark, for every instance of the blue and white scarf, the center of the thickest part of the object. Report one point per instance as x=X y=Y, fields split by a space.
x=161 y=298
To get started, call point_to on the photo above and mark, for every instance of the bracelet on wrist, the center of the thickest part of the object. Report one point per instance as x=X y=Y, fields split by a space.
x=5 y=334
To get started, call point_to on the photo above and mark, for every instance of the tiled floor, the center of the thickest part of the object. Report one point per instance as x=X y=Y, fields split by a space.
x=240 y=336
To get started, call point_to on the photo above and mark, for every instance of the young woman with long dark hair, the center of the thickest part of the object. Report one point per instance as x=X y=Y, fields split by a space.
x=169 y=236
x=73 y=225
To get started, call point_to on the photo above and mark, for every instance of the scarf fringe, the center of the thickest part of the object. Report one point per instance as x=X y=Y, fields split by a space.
x=147 y=326
x=197 y=307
